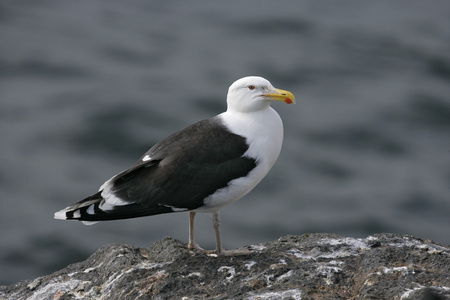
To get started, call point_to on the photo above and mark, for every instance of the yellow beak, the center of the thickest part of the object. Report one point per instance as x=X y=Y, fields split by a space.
x=281 y=95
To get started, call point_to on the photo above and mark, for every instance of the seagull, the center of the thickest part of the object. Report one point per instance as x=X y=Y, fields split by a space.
x=201 y=168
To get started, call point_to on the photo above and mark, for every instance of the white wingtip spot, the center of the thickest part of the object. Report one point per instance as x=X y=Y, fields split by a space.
x=146 y=158
x=88 y=222
x=90 y=210
x=76 y=214
x=60 y=215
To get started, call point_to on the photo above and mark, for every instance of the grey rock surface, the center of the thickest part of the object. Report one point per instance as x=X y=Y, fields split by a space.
x=311 y=266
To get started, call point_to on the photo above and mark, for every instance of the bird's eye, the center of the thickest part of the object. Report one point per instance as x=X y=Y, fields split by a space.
x=251 y=87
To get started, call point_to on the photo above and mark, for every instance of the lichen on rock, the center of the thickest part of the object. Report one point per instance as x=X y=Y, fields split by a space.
x=311 y=266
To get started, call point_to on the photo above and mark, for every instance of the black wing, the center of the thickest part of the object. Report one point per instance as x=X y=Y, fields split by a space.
x=182 y=171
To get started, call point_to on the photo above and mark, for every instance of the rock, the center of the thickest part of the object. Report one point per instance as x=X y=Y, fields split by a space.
x=311 y=266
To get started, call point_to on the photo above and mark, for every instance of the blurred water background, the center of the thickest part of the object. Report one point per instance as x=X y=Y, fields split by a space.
x=86 y=87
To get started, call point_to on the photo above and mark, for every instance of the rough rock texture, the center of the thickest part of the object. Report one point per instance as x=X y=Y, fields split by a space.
x=311 y=266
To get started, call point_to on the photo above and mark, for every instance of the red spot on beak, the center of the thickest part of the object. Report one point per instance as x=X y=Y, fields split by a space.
x=287 y=100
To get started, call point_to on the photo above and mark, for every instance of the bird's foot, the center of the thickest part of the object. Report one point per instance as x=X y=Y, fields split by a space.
x=192 y=246
x=237 y=252
x=234 y=252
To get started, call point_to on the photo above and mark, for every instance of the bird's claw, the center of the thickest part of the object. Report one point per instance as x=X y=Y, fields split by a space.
x=234 y=252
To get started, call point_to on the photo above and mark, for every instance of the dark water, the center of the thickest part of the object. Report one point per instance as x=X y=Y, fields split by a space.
x=87 y=86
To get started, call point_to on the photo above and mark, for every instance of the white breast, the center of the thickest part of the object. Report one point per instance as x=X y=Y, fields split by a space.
x=264 y=132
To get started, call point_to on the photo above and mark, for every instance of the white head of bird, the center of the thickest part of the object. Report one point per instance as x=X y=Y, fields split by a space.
x=253 y=93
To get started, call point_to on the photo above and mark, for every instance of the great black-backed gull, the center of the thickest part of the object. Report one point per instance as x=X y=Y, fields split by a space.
x=201 y=168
